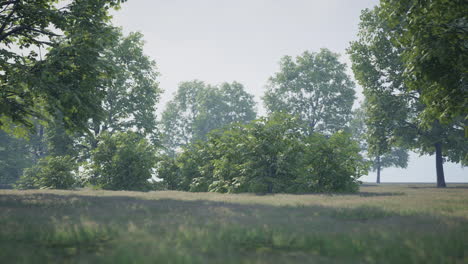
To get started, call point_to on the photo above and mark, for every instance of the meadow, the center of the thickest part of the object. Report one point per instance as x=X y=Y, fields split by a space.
x=389 y=223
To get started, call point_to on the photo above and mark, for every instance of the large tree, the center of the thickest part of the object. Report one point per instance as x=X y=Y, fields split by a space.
x=50 y=61
x=432 y=36
x=130 y=100
x=198 y=108
x=129 y=104
x=315 y=88
x=393 y=109
x=131 y=97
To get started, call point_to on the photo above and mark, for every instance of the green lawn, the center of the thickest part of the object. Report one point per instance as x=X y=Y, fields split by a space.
x=381 y=224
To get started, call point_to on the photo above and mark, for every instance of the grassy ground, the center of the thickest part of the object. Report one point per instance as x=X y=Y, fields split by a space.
x=381 y=224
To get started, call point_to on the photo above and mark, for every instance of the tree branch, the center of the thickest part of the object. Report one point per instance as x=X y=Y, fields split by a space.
x=37 y=42
x=24 y=27
x=7 y=19
x=9 y=2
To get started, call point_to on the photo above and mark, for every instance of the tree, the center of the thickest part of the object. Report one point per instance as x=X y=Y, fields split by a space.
x=396 y=157
x=394 y=110
x=198 y=108
x=132 y=95
x=67 y=79
x=432 y=38
x=382 y=156
x=122 y=161
x=314 y=87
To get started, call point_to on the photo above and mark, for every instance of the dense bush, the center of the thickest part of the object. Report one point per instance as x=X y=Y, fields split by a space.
x=169 y=173
x=122 y=161
x=52 y=172
x=269 y=155
x=332 y=164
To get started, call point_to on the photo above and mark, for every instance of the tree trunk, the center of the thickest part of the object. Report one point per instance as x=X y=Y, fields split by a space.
x=38 y=146
x=270 y=179
x=97 y=131
x=378 y=169
x=270 y=187
x=439 y=166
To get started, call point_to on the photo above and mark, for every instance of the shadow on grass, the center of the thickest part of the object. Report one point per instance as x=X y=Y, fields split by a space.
x=362 y=194
x=435 y=187
x=59 y=228
x=369 y=185
x=372 y=194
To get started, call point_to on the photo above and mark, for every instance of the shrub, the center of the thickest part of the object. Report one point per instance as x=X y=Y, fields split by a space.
x=122 y=161
x=168 y=171
x=52 y=172
x=269 y=155
x=331 y=164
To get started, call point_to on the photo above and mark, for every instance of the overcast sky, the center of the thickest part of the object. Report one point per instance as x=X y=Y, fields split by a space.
x=243 y=40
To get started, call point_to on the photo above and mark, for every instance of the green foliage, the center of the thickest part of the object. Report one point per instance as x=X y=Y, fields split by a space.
x=432 y=36
x=169 y=172
x=66 y=78
x=52 y=172
x=333 y=164
x=394 y=110
x=393 y=156
x=198 y=109
x=46 y=139
x=269 y=155
x=315 y=88
x=132 y=95
x=59 y=141
x=122 y=161
x=397 y=157
x=14 y=157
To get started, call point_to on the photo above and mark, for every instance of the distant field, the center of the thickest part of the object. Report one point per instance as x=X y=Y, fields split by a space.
x=412 y=223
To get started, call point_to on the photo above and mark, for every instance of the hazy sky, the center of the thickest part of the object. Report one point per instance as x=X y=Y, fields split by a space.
x=243 y=40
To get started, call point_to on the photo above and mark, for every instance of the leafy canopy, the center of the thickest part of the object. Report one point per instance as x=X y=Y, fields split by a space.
x=64 y=79
x=393 y=109
x=382 y=156
x=432 y=38
x=315 y=88
x=198 y=108
x=131 y=97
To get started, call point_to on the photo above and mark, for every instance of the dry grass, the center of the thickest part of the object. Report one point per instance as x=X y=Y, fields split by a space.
x=381 y=224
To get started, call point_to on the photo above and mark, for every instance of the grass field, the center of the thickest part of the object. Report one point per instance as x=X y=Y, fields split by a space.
x=382 y=224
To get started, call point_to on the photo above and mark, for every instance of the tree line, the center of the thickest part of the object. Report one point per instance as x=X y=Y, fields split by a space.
x=77 y=110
